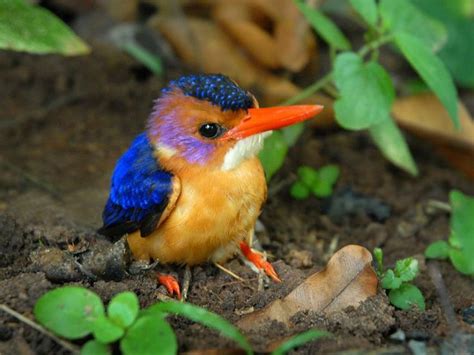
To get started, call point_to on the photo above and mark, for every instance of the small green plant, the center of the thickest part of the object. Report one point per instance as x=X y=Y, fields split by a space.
x=402 y=293
x=76 y=312
x=363 y=89
x=459 y=248
x=31 y=28
x=317 y=182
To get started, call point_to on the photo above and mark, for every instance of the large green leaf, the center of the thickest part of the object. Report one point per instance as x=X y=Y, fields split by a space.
x=367 y=9
x=403 y=16
x=406 y=296
x=432 y=70
x=204 y=317
x=273 y=154
x=324 y=26
x=31 y=28
x=150 y=334
x=69 y=311
x=438 y=250
x=123 y=309
x=93 y=347
x=106 y=331
x=462 y=232
x=389 y=139
x=366 y=90
x=458 y=53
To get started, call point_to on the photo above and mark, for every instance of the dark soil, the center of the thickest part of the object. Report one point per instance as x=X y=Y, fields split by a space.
x=65 y=121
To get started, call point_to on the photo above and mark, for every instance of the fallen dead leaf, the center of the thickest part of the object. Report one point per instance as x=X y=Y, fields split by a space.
x=425 y=116
x=347 y=280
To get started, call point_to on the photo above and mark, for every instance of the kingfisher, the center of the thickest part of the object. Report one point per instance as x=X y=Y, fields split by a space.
x=190 y=188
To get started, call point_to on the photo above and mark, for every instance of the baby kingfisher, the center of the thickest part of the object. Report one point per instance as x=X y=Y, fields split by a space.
x=189 y=189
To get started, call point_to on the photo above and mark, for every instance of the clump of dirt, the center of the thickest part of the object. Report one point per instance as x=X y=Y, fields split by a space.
x=65 y=122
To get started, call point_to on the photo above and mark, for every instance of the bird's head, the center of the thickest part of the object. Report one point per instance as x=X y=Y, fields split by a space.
x=209 y=120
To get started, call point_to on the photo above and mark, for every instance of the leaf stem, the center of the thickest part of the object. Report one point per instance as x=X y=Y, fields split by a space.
x=379 y=42
x=310 y=90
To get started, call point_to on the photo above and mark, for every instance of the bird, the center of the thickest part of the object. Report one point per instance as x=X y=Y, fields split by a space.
x=190 y=188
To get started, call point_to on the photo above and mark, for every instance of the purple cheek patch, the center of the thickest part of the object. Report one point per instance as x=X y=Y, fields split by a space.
x=171 y=134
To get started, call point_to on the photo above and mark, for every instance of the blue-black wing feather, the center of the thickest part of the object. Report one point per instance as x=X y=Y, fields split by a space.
x=139 y=192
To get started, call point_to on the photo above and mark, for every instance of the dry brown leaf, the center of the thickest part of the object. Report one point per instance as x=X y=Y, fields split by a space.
x=235 y=19
x=290 y=45
x=347 y=280
x=205 y=47
x=424 y=115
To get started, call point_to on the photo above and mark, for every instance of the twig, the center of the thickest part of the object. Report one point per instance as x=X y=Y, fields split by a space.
x=443 y=295
x=32 y=179
x=71 y=347
x=230 y=272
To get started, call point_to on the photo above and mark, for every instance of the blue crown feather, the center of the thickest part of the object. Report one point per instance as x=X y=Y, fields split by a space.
x=216 y=88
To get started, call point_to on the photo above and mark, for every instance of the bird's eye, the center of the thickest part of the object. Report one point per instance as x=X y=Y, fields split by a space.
x=211 y=130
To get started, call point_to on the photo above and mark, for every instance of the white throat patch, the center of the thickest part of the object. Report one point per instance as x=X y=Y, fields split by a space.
x=244 y=149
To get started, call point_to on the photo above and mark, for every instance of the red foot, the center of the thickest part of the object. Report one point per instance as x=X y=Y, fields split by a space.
x=171 y=284
x=259 y=261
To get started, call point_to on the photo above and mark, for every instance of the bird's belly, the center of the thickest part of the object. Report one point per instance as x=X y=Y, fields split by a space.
x=212 y=215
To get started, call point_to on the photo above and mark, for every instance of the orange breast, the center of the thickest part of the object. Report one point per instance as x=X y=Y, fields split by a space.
x=214 y=212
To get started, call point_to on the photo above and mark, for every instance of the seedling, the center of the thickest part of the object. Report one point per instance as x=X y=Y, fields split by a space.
x=459 y=248
x=76 y=312
x=402 y=293
x=317 y=182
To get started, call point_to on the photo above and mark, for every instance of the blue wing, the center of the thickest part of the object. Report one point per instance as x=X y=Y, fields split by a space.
x=139 y=192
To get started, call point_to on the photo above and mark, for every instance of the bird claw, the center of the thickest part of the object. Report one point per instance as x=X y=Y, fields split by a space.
x=171 y=284
x=259 y=261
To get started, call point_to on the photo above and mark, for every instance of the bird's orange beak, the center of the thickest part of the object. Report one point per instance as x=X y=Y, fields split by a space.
x=265 y=119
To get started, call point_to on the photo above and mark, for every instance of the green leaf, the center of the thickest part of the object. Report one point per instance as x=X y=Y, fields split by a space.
x=367 y=92
x=389 y=139
x=292 y=133
x=299 y=340
x=456 y=54
x=93 y=347
x=321 y=189
x=123 y=309
x=462 y=221
x=204 y=317
x=307 y=175
x=299 y=191
x=378 y=255
x=329 y=173
x=462 y=260
x=390 y=281
x=324 y=26
x=150 y=334
x=437 y=250
x=406 y=269
x=367 y=9
x=273 y=154
x=402 y=16
x=31 y=28
x=406 y=296
x=106 y=331
x=147 y=58
x=432 y=70
x=69 y=311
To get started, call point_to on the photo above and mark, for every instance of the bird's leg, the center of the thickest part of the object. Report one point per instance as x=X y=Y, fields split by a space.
x=259 y=261
x=170 y=283
x=186 y=281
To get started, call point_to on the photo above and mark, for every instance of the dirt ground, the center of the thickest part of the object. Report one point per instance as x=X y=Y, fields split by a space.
x=65 y=121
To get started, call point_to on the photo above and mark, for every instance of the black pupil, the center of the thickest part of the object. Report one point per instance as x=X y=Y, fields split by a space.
x=210 y=130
